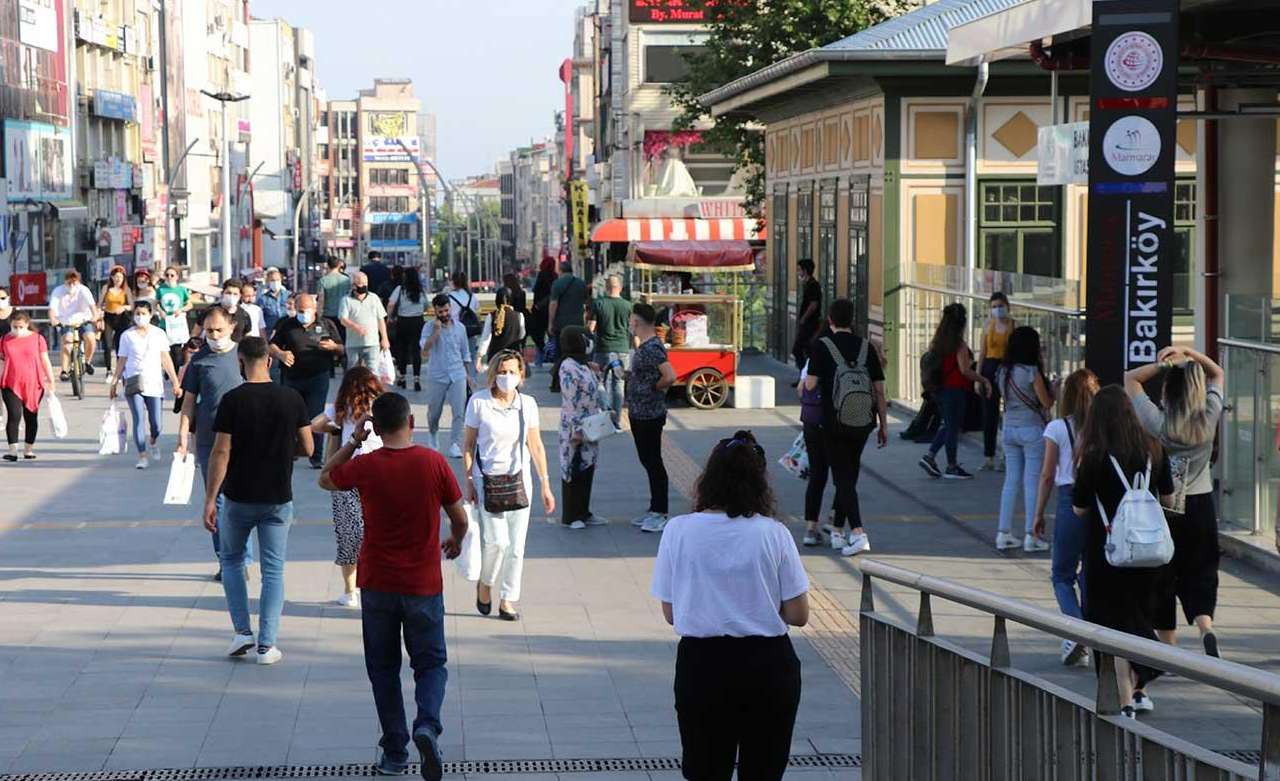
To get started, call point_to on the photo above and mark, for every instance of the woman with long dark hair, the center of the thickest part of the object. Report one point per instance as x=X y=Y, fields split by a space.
x=519 y=299
x=1021 y=381
x=541 y=306
x=116 y=303
x=957 y=377
x=1193 y=393
x=579 y=390
x=407 y=308
x=1122 y=598
x=359 y=388
x=503 y=330
x=730 y=580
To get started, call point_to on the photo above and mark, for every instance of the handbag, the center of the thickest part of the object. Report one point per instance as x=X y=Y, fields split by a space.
x=505 y=493
x=132 y=385
x=598 y=427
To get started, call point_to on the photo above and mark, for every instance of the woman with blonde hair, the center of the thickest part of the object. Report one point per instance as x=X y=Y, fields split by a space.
x=1068 y=528
x=501 y=445
x=503 y=329
x=359 y=389
x=1192 y=396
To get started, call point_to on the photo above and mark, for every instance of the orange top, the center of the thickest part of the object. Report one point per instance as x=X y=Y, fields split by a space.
x=116 y=300
x=997 y=342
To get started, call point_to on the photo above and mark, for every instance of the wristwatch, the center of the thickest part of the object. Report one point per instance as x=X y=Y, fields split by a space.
x=352 y=441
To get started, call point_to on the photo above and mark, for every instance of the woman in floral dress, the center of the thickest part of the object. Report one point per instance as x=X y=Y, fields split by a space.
x=576 y=382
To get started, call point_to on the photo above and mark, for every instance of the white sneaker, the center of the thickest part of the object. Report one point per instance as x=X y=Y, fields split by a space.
x=1005 y=541
x=596 y=520
x=455 y=451
x=142 y=462
x=240 y=644
x=857 y=544
x=655 y=523
x=641 y=520
x=1142 y=703
x=577 y=525
x=811 y=539
x=153 y=452
x=269 y=656
x=433 y=442
x=1033 y=544
x=837 y=540
x=348 y=600
x=826 y=528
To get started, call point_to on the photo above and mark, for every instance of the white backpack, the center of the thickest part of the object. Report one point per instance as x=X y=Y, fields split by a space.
x=1138 y=535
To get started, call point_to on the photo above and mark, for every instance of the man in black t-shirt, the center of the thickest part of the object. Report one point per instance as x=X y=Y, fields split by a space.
x=306 y=345
x=810 y=319
x=261 y=427
x=241 y=323
x=844 y=445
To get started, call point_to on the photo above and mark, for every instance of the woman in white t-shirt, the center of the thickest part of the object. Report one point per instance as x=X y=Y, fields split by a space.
x=500 y=444
x=359 y=388
x=730 y=580
x=1068 y=528
x=143 y=361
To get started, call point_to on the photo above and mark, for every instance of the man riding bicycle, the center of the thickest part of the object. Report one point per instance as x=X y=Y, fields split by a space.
x=72 y=303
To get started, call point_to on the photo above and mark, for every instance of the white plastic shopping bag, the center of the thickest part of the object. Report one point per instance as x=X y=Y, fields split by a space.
x=182 y=476
x=113 y=436
x=56 y=417
x=468 y=560
x=796 y=460
x=386 y=368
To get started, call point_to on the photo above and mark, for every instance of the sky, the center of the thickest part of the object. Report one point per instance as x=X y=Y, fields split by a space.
x=488 y=69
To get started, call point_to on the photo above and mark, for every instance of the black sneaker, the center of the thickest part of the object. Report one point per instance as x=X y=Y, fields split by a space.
x=956 y=472
x=1211 y=644
x=1127 y=712
x=928 y=464
x=64 y=376
x=88 y=368
x=429 y=748
x=1142 y=703
x=217 y=576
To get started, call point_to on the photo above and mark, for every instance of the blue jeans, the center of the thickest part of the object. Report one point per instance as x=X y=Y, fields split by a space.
x=363 y=355
x=382 y=616
x=1023 y=458
x=272 y=522
x=456 y=393
x=614 y=387
x=951 y=406
x=1068 y=550
x=314 y=391
x=202 y=461
x=150 y=406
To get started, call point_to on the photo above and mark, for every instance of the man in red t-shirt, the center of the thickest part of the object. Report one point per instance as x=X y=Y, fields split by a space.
x=402 y=490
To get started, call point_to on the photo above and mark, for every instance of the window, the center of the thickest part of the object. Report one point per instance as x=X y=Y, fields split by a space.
x=859 y=249
x=804 y=223
x=778 y=231
x=665 y=64
x=826 y=262
x=1184 y=232
x=1018 y=229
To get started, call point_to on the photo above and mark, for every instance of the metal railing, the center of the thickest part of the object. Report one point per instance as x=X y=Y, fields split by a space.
x=1250 y=461
x=934 y=710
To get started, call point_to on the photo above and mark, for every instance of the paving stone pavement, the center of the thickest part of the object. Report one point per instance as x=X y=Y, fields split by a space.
x=111 y=629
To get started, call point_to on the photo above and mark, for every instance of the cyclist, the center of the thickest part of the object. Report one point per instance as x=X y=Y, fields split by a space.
x=72 y=303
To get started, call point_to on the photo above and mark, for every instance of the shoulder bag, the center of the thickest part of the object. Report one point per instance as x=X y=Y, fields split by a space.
x=1031 y=404
x=505 y=493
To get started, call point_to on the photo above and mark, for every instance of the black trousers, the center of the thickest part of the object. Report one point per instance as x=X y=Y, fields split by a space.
x=113 y=327
x=844 y=455
x=800 y=347
x=736 y=696
x=408 y=331
x=1192 y=577
x=16 y=412
x=575 y=496
x=990 y=409
x=818 y=468
x=648 y=438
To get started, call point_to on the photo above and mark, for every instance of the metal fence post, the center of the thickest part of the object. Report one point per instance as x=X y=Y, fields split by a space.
x=1269 y=765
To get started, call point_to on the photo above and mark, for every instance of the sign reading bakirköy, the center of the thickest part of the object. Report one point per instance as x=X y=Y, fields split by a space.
x=1133 y=85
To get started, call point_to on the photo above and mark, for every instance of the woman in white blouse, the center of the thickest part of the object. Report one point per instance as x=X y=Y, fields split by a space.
x=730 y=580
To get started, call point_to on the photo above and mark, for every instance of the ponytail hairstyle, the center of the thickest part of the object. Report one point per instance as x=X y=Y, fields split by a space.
x=950 y=334
x=1186 y=420
x=1078 y=391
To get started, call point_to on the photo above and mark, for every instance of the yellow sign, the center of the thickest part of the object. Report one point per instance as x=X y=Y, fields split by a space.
x=578 y=209
x=387 y=124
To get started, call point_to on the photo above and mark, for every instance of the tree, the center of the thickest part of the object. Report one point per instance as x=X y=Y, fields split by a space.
x=746 y=36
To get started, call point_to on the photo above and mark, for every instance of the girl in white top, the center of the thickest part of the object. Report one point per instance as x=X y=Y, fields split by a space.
x=144 y=354
x=1068 y=528
x=360 y=387
x=494 y=444
x=730 y=580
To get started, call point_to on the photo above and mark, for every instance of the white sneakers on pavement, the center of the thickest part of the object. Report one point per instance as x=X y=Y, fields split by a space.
x=838 y=540
x=269 y=655
x=433 y=442
x=1142 y=703
x=596 y=520
x=811 y=539
x=153 y=452
x=348 y=600
x=577 y=525
x=455 y=451
x=858 y=543
x=240 y=645
x=142 y=462
x=655 y=523
x=1033 y=544
x=638 y=521
x=1005 y=541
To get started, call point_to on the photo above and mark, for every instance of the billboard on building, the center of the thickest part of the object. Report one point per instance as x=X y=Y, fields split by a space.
x=37 y=161
x=388 y=123
x=33 y=68
x=175 y=121
x=38 y=24
x=672 y=11
x=389 y=149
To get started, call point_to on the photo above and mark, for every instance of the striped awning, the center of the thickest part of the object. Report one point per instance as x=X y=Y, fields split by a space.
x=673 y=229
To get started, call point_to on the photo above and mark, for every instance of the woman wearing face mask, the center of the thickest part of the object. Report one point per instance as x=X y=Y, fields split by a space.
x=144 y=354
x=501 y=445
x=579 y=391
x=25 y=375
x=6 y=313
x=995 y=337
x=503 y=329
x=116 y=303
x=143 y=290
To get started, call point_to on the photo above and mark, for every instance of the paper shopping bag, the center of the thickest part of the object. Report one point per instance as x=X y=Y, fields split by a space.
x=182 y=476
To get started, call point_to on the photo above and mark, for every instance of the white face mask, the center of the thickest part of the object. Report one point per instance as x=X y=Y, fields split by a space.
x=229 y=300
x=142 y=321
x=4 y=303
x=306 y=316
x=274 y=286
x=218 y=345
x=508 y=382
x=21 y=331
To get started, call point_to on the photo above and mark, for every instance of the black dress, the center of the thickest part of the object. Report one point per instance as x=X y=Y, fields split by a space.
x=6 y=324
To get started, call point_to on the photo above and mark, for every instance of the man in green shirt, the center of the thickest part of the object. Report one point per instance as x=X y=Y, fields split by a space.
x=568 y=300
x=611 y=323
x=334 y=287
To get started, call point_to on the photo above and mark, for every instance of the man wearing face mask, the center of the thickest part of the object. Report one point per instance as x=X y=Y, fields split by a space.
x=273 y=299
x=212 y=372
x=229 y=303
x=248 y=302
x=366 y=322
x=305 y=346
x=445 y=346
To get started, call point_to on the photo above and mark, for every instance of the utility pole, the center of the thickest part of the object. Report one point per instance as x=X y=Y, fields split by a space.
x=224 y=98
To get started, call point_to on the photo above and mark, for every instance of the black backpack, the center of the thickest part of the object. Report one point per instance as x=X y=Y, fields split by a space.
x=931 y=371
x=468 y=317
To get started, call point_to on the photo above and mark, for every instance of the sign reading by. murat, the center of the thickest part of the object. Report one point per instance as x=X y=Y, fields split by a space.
x=1132 y=127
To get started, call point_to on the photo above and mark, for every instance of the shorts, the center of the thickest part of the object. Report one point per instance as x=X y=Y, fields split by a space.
x=86 y=329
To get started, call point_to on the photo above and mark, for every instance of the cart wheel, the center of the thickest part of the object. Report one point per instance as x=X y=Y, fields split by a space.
x=707 y=389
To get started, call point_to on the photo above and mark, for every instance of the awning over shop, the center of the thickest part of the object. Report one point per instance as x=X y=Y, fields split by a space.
x=1007 y=32
x=694 y=255
x=70 y=210
x=672 y=229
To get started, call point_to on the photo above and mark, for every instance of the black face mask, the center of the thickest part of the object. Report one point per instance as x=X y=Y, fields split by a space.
x=360 y=290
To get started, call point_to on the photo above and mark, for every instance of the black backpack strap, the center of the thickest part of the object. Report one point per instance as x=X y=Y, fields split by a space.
x=1071 y=437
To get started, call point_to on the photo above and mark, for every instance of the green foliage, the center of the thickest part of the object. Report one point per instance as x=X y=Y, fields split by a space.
x=748 y=36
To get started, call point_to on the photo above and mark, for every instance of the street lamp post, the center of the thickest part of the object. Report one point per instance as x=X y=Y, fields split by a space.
x=224 y=98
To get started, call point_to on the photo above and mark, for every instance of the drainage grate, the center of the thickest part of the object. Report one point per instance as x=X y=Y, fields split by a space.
x=1249 y=757
x=475 y=767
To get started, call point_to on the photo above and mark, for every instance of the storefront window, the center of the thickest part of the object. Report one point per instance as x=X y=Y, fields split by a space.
x=859 y=249
x=826 y=261
x=1018 y=229
x=804 y=222
x=779 y=232
x=1184 y=231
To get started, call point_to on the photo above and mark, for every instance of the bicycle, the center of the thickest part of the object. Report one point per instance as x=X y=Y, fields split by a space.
x=76 y=375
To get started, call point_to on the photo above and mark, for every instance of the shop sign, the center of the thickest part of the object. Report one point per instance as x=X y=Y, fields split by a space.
x=29 y=289
x=1132 y=127
x=37 y=161
x=122 y=206
x=1062 y=154
x=341 y=243
x=114 y=105
x=672 y=11
x=297 y=175
x=578 y=213
x=326 y=226
x=387 y=149
x=38 y=24
x=144 y=251
x=110 y=241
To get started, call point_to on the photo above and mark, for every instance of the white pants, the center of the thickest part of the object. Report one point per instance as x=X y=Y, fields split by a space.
x=502 y=555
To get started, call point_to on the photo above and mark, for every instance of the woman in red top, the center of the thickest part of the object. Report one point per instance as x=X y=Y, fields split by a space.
x=958 y=377
x=25 y=376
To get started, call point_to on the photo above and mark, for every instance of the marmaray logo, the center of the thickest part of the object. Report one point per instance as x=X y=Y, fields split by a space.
x=1131 y=146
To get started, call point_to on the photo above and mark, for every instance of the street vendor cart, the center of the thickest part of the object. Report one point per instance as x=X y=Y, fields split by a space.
x=702 y=331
